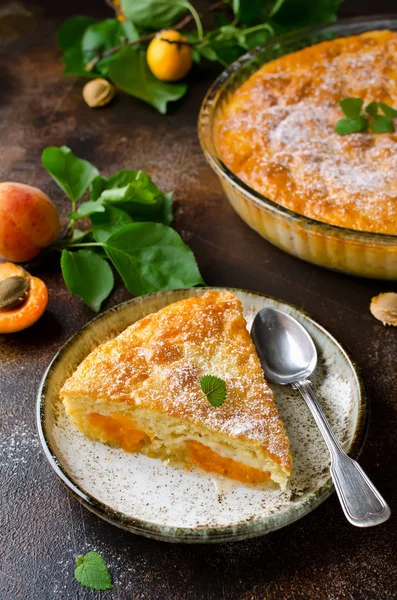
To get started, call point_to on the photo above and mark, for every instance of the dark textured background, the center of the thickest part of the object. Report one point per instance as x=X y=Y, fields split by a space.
x=42 y=527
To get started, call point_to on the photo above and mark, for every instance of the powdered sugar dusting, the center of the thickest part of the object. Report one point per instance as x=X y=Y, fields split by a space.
x=182 y=343
x=278 y=133
x=166 y=497
x=16 y=448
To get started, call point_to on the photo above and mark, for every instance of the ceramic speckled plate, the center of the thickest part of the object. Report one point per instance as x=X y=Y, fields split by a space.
x=148 y=497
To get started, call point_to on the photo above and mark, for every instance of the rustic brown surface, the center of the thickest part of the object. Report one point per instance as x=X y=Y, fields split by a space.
x=43 y=527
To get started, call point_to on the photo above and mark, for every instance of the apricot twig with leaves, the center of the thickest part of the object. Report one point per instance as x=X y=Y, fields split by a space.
x=130 y=218
x=116 y=49
x=149 y=36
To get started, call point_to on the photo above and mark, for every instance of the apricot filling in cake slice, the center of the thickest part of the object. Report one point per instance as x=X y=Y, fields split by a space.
x=141 y=392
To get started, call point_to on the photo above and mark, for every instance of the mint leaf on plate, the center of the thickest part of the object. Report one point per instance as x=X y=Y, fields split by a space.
x=152 y=257
x=72 y=174
x=88 y=276
x=91 y=571
x=128 y=70
x=214 y=388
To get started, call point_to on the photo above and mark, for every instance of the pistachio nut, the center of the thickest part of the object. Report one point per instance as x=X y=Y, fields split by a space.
x=13 y=291
x=98 y=92
x=384 y=308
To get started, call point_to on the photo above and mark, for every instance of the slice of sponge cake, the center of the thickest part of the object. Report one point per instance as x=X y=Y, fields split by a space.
x=141 y=392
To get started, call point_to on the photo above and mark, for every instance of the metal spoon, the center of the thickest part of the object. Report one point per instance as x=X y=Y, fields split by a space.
x=288 y=356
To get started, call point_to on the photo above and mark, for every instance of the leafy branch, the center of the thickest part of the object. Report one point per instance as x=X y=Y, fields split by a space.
x=130 y=218
x=193 y=15
x=115 y=48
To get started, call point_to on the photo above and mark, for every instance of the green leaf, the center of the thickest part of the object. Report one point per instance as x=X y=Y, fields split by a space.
x=135 y=193
x=207 y=52
x=256 y=36
x=91 y=571
x=196 y=56
x=91 y=41
x=100 y=37
x=229 y=42
x=72 y=174
x=221 y=20
x=293 y=14
x=108 y=222
x=382 y=125
x=139 y=202
x=387 y=110
x=77 y=236
x=114 y=182
x=227 y=50
x=153 y=14
x=152 y=257
x=254 y=12
x=86 y=209
x=132 y=193
x=130 y=31
x=72 y=30
x=346 y=126
x=129 y=71
x=168 y=213
x=351 y=107
x=74 y=63
x=214 y=388
x=372 y=109
x=88 y=276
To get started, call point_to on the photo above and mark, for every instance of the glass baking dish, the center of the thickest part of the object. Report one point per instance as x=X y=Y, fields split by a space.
x=360 y=253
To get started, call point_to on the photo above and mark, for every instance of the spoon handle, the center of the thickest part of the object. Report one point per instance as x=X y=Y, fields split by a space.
x=361 y=502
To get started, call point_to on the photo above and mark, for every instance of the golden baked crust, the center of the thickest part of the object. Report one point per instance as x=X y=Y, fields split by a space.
x=154 y=367
x=277 y=133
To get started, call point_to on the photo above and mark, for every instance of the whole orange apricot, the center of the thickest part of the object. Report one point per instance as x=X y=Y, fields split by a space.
x=169 y=56
x=29 y=221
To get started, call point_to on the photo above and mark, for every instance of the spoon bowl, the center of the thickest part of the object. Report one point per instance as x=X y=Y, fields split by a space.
x=286 y=351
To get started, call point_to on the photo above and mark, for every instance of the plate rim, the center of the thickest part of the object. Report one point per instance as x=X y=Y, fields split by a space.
x=201 y=534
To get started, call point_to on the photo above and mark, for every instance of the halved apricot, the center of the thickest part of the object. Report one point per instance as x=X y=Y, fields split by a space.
x=31 y=308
